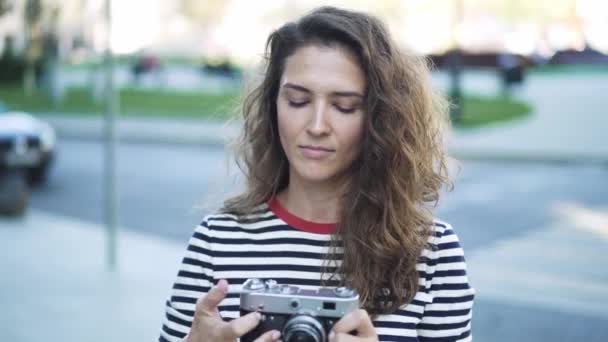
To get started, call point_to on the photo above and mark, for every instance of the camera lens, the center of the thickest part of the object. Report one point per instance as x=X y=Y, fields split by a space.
x=303 y=328
x=300 y=336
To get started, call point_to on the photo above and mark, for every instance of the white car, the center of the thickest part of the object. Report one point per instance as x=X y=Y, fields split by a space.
x=27 y=149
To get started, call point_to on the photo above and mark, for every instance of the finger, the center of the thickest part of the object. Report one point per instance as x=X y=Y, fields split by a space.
x=348 y=323
x=343 y=337
x=240 y=326
x=208 y=303
x=269 y=336
x=357 y=320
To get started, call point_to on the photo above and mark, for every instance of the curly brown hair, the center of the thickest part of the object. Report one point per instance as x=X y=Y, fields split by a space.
x=386 y=219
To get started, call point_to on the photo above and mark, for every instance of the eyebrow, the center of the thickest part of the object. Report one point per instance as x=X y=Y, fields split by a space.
x=333 y=93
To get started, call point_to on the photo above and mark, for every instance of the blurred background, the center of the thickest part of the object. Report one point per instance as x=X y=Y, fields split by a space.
x=113 y=131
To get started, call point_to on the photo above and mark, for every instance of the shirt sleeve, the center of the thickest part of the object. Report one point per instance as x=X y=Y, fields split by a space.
x=448 y=316
x=194 y=279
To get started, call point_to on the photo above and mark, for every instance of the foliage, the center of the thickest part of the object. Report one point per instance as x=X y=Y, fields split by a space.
x=33 y=11
x=5 y=7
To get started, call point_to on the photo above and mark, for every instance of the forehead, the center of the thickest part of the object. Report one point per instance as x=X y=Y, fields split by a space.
x=323 y=69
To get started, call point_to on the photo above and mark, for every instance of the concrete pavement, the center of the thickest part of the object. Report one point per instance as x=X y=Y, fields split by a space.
x=568 y=123
x=155 y=130
x=550 y=267
x=55 y=285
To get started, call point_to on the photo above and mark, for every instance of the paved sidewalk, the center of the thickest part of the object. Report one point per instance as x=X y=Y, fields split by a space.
x=155 y=130
x=55 y=285
x=558 y=267
x=569 y=123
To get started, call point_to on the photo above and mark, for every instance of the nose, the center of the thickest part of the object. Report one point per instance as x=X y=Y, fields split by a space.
x=319 y=124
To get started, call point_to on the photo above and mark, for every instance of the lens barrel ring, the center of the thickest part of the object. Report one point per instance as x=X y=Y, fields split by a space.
x=303 y=328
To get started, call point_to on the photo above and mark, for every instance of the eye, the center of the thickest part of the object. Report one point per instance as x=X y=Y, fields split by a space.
x=297 y=104
x=346 y=110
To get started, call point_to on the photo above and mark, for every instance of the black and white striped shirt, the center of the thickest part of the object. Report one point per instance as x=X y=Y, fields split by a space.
x=276 y=244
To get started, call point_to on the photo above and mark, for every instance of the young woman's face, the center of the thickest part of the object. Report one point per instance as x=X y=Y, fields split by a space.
x=320 y=112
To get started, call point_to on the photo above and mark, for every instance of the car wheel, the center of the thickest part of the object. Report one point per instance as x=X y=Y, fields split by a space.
x=14 y=192
x=38 y=175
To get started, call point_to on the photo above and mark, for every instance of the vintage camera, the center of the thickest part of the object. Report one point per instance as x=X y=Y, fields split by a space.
x=300 y=315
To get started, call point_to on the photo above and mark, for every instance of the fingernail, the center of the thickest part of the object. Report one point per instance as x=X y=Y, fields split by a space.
x=258 y=316
x=276 y=335
x=222 y=285
x=332 y=335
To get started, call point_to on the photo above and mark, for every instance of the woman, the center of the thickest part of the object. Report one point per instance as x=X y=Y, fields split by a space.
x=343 y=156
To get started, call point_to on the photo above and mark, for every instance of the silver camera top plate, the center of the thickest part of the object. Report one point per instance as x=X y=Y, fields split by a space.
x=269 y=296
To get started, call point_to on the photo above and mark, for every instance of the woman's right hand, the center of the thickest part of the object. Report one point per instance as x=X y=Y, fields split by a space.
x=208 y=326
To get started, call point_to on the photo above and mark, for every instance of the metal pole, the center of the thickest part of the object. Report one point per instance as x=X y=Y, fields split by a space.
x=110 y=184
x=455 y=62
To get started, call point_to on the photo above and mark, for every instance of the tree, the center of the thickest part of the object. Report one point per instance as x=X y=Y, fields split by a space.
x=11 y=66
x=5 y=7
x=32 y=16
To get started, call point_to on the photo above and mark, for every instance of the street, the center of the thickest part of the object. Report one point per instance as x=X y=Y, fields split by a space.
x=166 y=189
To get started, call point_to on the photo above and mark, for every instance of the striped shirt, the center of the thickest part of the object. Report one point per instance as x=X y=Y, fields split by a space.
x=274 y=244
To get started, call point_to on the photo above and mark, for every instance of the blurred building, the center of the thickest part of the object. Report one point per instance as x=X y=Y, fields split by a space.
x=227 y=28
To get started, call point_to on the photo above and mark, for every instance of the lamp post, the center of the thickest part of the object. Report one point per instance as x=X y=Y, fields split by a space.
x=110 y=183
x=454 y=63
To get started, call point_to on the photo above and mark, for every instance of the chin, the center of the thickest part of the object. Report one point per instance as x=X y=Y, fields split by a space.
x=317 y=176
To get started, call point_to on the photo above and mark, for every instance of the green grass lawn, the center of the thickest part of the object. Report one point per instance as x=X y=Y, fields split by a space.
x=480 y=111
x=133 y=102
x=561 y=70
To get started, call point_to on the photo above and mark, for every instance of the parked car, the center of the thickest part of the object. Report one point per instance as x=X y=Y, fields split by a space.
x=27 y=150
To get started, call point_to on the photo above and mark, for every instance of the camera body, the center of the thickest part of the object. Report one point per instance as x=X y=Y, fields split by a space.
x=300 y=315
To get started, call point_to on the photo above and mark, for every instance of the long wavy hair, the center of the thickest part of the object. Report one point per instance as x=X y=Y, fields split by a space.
x=386 y=217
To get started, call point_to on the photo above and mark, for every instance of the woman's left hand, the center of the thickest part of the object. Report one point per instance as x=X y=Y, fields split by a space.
x=358 y=321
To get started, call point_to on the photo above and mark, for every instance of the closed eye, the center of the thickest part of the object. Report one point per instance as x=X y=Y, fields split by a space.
x=297 y=104
x=346 y=110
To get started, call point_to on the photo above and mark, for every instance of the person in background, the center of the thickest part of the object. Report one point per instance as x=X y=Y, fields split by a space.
x=344 y=160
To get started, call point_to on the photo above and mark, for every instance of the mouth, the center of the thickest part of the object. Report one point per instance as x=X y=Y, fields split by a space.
x=316 y=148
x=314 y=152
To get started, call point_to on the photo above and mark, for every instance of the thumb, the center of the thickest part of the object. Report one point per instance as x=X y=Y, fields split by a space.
x=208 y=303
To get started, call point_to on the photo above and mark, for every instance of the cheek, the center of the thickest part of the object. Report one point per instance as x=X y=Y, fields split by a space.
x=353 y=138
x=290 y=124
x=285 y=126
x=281 y=120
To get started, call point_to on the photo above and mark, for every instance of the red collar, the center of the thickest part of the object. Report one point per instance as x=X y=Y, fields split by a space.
x=299 y=223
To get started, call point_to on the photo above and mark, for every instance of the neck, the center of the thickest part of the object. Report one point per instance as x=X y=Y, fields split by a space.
x=312 y=202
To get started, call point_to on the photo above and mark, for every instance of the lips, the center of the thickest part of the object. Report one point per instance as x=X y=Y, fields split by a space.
x=316 y=152
x=317 y=148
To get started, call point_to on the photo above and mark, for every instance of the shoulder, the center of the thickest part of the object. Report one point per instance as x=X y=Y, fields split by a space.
x=443 y=236
x=444 y=246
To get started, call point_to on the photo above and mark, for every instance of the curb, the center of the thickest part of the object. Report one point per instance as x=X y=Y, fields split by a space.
x=144 y=137
x=151 y=130
x=530 y=157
